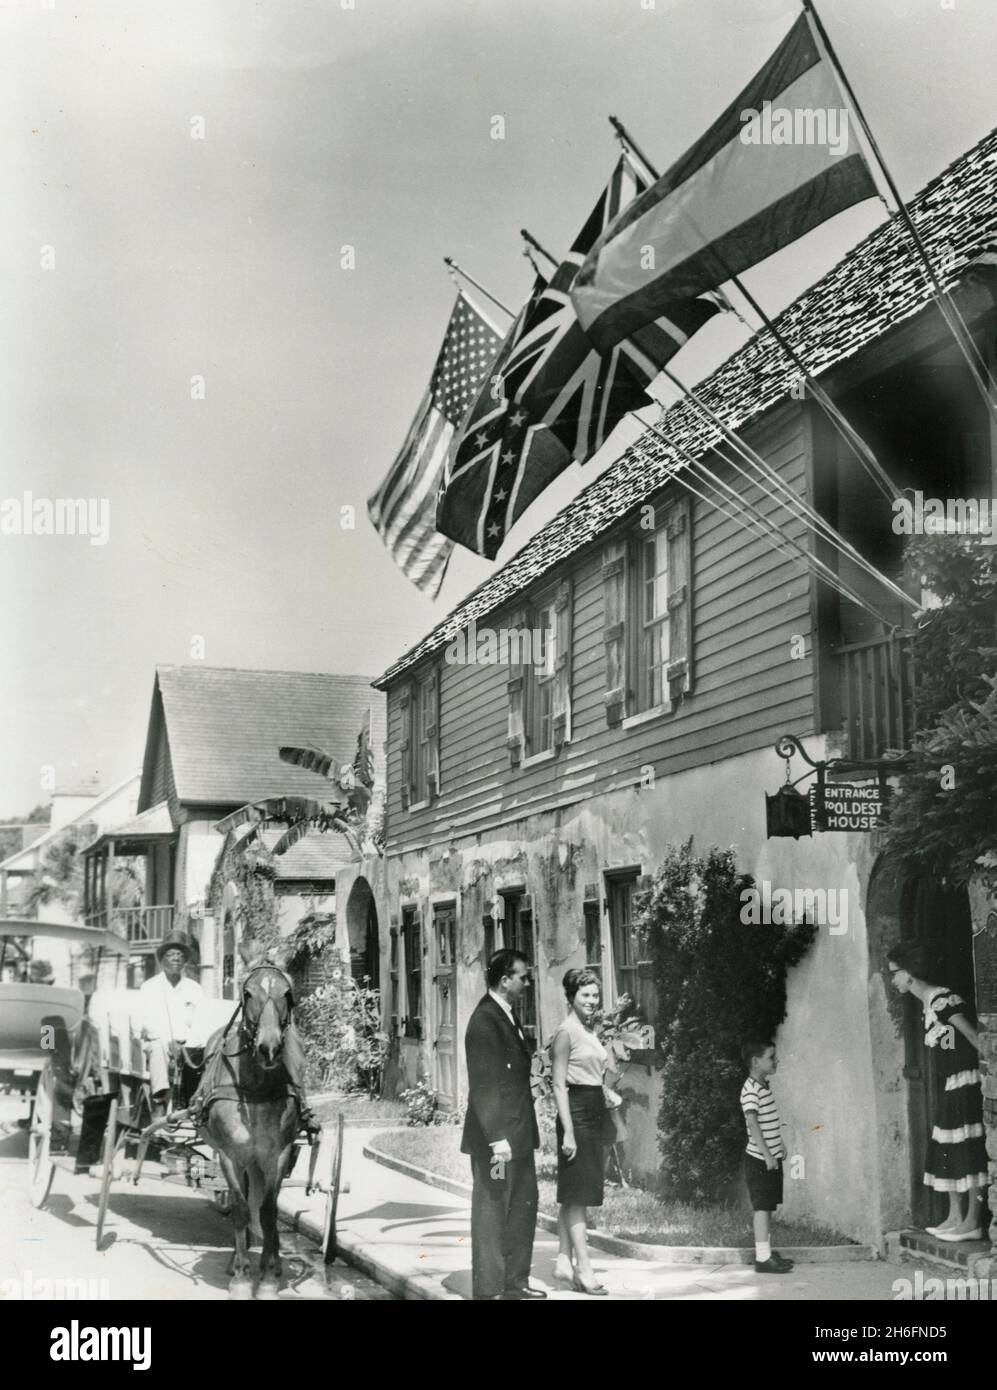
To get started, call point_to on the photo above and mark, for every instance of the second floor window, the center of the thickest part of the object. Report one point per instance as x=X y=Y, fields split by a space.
x=647 y=608
x=650 y=625
x=540 y=678
x=420 y=741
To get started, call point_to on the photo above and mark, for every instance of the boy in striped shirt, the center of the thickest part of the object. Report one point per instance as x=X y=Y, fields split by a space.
x=765 y=1152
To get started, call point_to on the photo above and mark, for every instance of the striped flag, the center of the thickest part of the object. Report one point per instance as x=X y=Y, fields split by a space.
x=558 y=399
x=403 y=509
x=555 y=373
x=780 y=160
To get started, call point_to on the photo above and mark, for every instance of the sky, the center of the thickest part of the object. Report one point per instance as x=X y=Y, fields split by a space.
x=180 y=182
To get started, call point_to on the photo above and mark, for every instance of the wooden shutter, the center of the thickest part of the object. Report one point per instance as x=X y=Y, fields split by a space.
x=561 y=701
x=515 y=688
x=678 y=528
x=405 y=744
x=431 y=694
x=395 y=1029
x=614 y=631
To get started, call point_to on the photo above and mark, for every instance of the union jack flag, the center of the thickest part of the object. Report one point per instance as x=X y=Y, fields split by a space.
x=551 y=397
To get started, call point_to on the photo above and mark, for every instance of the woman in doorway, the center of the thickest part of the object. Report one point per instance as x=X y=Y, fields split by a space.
x=957 y=1158
x=579 y=1065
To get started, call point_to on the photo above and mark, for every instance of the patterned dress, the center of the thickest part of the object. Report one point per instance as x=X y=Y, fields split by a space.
x=957 y=1155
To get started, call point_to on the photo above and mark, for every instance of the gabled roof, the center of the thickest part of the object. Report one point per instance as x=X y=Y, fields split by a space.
x=319 y=856
x=25 y=859
x=223 y=727
x=875 y=287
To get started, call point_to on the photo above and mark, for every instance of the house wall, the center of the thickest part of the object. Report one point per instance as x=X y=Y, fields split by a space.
x=839 y=1088
x=748 y=603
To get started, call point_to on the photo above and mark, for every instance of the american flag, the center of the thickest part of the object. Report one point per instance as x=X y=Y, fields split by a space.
x=403 y=509
x=558 y=398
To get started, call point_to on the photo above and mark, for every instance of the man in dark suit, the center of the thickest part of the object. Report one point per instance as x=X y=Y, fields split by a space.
x=500 y=1134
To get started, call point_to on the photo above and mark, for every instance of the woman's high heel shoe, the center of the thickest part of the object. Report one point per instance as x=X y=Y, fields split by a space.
x=596 y=1290
x=564 y=1271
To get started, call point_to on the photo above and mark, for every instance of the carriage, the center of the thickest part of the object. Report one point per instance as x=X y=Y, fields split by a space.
x=80 y=1059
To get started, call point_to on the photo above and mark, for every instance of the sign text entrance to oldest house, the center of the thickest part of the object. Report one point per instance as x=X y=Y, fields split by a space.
x=859 y=803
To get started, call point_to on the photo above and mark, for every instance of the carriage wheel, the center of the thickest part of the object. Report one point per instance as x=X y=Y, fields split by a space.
x=107 y=1164
x=41 y=1168
x=332 y=1195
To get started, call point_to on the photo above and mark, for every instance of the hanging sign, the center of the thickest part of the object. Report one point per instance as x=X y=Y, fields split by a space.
x=849 y=805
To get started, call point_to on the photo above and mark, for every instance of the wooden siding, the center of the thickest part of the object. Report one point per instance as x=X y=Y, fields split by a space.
x=748 y=602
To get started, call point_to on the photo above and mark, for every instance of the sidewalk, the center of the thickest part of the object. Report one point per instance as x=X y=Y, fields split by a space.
x=416 y=1241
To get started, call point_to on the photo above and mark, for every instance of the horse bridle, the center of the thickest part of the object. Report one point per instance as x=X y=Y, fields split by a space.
x=249 y=1030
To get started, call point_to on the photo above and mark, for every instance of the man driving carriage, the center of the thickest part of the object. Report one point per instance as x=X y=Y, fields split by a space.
x=169 y=1003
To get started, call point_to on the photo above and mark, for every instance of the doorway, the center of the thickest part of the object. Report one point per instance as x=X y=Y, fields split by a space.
x=939 y=917
x=445 y=1001
x=365 y=944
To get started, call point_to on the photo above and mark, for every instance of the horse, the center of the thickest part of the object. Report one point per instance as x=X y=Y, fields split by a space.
x=250 y=1116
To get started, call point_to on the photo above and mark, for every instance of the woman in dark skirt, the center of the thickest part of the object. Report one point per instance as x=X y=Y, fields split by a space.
x=579 y=1065
x=957 y=1157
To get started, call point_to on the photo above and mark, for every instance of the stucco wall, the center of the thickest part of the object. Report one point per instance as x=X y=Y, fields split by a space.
x=839 y=1088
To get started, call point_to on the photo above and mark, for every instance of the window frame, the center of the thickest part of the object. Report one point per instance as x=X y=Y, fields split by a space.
x=517 y=904
x=639 y=702
x=540 y=682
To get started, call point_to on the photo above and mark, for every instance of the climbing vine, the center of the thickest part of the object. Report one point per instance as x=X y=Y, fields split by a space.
x=252 y=871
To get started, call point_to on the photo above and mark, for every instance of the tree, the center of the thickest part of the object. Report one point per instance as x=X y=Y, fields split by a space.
x=353 y=811
x=943 y=818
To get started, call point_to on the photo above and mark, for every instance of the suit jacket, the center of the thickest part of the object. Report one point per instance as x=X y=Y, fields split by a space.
x=499 y=1099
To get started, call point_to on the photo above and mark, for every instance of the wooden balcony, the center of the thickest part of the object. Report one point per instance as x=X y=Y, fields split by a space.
x=140 y=926
x=876 y=684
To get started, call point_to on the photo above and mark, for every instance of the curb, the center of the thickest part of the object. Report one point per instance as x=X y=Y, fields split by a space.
x=407 y=1287
x=640 y=1250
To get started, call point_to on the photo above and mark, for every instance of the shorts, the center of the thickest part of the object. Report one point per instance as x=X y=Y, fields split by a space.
x=764 y=1184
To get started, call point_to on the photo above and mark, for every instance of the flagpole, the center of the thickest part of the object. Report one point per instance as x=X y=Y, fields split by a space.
x=847 y=431
x=946 y=305
x=532 y=241
x=452 y=265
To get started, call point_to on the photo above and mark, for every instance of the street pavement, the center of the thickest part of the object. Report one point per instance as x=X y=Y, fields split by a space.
x=162 y=1240
x=416 y=1240
x=401 y=1237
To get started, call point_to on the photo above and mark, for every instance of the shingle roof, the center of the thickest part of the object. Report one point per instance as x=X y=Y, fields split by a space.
x=154 y=821
x=224 y=728
x=318 y=856
x=876 y=286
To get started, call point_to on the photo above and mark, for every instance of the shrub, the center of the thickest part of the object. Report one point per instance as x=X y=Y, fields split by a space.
x=718 y=983
x=340 y=1026
x=422 y=1107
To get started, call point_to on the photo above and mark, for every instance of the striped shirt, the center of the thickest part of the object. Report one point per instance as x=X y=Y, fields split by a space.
x=756 y=1099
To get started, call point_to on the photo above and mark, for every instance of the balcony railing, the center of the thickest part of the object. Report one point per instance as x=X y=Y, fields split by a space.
x=140 y=926
x=877 y=695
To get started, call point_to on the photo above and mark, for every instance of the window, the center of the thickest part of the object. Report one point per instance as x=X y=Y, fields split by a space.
x=647 y=613
x=630 y=973
x=420 y=741
x=540 y=678
x=624 y=947
x=412 y=944
x=650 y=625
x=517 y=935
x=593 y=941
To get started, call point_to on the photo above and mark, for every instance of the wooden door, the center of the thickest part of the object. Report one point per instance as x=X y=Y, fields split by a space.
x=445 y=991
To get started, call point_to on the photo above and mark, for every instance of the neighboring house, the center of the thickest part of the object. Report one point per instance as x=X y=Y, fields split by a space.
x=211 y=748
x=79 y=808
x=526 y=802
